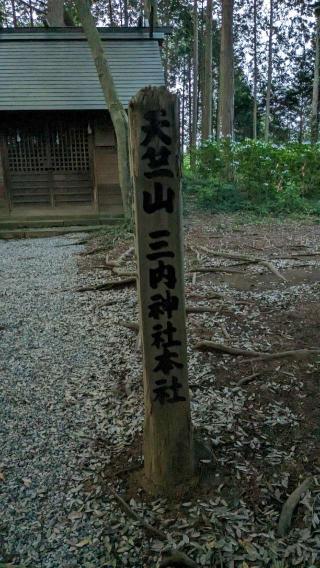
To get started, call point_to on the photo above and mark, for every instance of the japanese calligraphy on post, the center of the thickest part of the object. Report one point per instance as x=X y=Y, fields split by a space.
x=154 y=138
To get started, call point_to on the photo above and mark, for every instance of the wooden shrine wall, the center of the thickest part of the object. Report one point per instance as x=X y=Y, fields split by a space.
x=57 y=160
x=106 y=167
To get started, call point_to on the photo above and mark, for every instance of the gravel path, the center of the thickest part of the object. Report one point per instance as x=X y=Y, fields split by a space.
x=53 y=383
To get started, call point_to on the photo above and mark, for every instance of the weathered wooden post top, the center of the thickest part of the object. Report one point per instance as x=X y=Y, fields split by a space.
x=155 y=150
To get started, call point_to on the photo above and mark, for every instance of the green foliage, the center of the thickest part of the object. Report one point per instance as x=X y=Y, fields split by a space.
x=255 y=176
x=243 y=107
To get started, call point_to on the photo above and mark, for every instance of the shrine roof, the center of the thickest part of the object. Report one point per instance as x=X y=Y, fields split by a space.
x=53 y=69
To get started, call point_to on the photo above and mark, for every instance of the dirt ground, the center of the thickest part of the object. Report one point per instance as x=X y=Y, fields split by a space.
x=260 y=438
x=278 y=316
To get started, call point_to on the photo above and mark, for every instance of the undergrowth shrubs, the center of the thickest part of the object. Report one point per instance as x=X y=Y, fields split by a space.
x=265 y=178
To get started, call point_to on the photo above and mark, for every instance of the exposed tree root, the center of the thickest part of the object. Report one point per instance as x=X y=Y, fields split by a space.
x=224 y=331
x=111 y=284
x=77 y=243
x=153 y=531
x=294 y=354
x=177 y=559
x=211 y=346
x=207 y=269
x=290 y=505
x=249 y=259
x=126 y=254
x=258 y=356
x=249 y=379
x=100 y=267
x=133 y=325
x=272 y=268
x=116 y=263
x=93 y=251
x=120 y=272
x=298 y=254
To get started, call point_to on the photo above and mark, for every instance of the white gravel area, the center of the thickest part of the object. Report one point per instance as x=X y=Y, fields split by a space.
x=54 y=370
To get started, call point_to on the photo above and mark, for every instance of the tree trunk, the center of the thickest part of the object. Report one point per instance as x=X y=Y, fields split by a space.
x=301 y=124
x=151 y=9
x=125 y=12
x=118 y=114
x=207 y=94
x=31 y=13
x=201 y=56
x=55 y=13
x=111 y=13
x=14 y=14
x=193 y=144
x=226 y=98
x=255 y=70
x=315 y=94
x=154 y=4
x=190 y=100
x=166 y=53
x=268 y=98
x=166 y=63
x=183 y=105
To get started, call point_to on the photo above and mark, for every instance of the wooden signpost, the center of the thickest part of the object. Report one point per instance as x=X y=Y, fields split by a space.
x=155 y=162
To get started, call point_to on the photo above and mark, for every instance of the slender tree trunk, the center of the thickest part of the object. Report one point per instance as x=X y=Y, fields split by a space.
x=111 y=13
x=216 y=113
x=201 y=79
x=301 y=124
x=154 y=4
x=166 y=54
x=166 y=63
x=55 y=13
x=118 y=114
x=146 y=9
x=226 y=98
x=315 y=94
x=193 y=144
x=125 y=13
x=200 y=62
x=121 y=12
x=207 y=94
x=190 y=101
x=218 y=104
x=14 y=14
x=270 y=62
x=183 y=105
x=151 y=8
x=31 y=13
x=255 y=70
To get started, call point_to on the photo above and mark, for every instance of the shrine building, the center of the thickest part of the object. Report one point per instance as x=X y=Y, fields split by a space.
x=58 y=152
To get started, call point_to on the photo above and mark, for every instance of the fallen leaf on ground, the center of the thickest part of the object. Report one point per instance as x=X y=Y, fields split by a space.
x=83 y=542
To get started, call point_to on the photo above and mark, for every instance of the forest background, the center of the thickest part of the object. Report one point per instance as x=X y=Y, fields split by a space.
x=247 y=74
